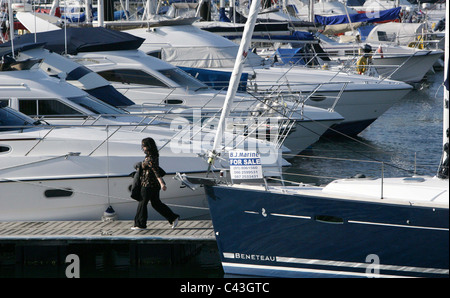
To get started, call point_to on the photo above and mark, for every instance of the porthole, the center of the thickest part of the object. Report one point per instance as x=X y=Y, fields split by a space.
x=58 y=193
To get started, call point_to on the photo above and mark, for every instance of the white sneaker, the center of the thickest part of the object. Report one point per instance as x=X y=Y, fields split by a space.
x=175 y=223
x=137 y=228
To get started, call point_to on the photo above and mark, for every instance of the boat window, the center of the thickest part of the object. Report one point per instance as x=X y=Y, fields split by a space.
x=156 y=54
x=183 y=79
x=131 y=76
x=96 y=106
x=4 y=149
x=317 y=97
x=329 y=219
x=173 y=101
x=4 y=102
x=58 y=193
x=45 y=107
x=10 y=117
x=384 y=36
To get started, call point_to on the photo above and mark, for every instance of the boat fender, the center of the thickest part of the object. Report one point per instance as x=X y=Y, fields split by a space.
x=109 y=214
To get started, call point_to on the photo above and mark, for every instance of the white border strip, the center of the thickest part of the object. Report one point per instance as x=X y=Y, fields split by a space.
x=302 y=270
x=395 y=225
x=292 y=216
x=349 y=264
x=356 y=222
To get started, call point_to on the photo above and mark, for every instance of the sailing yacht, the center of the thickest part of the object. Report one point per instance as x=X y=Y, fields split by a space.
x=359 y=227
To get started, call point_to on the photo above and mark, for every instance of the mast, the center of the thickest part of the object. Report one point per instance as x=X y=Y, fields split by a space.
x=444 y=164
x=11 y=26
x=236 y=75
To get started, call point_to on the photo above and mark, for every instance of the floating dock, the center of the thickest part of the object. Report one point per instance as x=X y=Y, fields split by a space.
x=106 y=231
x=44 y=246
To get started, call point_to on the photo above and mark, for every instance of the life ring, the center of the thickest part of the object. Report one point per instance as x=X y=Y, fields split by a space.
x=361 y=65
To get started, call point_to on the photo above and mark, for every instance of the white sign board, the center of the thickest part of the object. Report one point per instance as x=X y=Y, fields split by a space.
x=245 y=165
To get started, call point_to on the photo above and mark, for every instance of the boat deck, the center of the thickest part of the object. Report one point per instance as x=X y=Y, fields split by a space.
x=106 y=231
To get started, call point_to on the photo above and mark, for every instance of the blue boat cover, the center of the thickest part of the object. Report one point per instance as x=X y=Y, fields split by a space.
x=291 y=56
x=222 y=15
x=378 y=16
x=83 y=40
x=216 y=79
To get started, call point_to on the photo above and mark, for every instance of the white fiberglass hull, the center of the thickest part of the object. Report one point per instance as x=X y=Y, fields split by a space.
x=410 y=69
x=88 y=199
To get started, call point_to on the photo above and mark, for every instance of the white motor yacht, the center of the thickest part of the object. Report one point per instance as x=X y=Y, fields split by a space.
x=154 y=84
x=359 y=99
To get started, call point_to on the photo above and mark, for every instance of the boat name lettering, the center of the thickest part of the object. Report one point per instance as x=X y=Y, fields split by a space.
x=254 y=257
x=243 y=154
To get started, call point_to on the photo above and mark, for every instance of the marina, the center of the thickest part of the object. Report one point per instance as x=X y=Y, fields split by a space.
x=318 y=166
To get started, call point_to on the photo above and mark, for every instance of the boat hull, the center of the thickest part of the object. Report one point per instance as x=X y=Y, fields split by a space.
x=413 y=68
x=88 y=198
x=285 y=235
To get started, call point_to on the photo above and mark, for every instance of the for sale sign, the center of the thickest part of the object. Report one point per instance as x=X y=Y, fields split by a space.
x=245 y=165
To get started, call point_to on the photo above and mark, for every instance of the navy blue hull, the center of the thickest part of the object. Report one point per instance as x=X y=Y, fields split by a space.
x=261 y=233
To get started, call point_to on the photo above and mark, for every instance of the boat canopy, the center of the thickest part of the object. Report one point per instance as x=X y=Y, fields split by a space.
x=216 y=79
x=83 y=40
x=106 y=93
x=376 y=16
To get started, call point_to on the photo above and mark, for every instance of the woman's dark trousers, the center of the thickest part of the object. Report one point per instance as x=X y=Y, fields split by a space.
x=152 y=195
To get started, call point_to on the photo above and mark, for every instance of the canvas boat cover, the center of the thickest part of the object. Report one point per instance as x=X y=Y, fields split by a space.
x=83 y=40
x=370 y=17
x=106 y=93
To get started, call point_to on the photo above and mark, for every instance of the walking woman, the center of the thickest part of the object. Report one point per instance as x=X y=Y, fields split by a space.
x=151 y=184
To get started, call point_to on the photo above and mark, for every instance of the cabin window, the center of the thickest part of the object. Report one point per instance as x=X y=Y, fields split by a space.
x=4 y=102
x=317 y=97
x=4 y=149
x=156 y=54
x=384 y=36
x=45 y=107
x=173 y=101
x=58 y=193
x=329 y=219
x=131 y=76
x=183 y=79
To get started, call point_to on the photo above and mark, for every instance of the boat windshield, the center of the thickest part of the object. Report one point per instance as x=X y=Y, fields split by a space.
x=10 y=117
x=183 y=79
x=96 y=106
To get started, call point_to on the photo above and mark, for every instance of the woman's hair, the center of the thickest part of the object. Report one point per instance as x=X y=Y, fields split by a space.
x=151 y=145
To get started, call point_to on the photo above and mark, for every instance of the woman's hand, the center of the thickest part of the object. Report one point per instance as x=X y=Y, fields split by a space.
x=163 y=184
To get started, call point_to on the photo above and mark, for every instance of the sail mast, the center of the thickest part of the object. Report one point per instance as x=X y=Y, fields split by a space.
x=236 y=74
x=444 y=164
